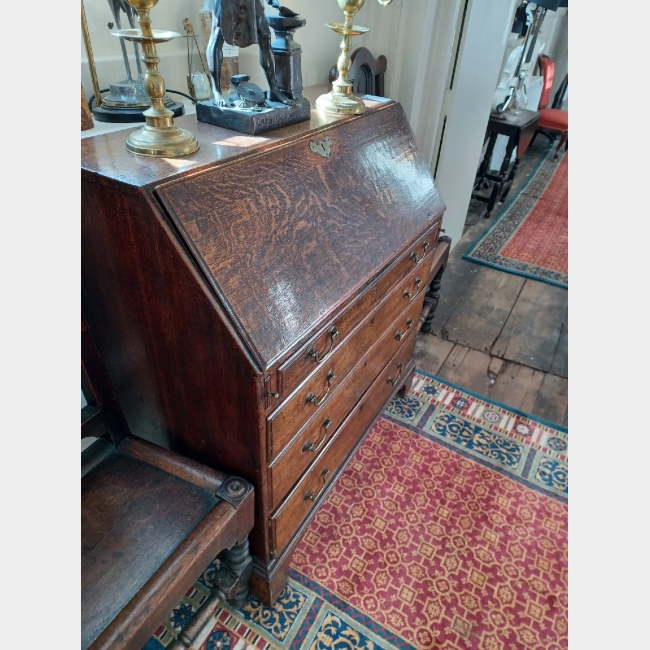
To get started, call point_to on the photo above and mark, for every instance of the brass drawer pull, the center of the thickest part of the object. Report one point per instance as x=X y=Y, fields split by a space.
x=392 y=380
x=414 y=255
x=310 y=446
x=317 y=401
x=400 y=335
x=274 y=395
x=312 y=496
x=409 y=295
x=315 y=354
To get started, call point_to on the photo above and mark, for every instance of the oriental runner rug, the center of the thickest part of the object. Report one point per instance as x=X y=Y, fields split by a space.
x=447 y=530
x=530 y=235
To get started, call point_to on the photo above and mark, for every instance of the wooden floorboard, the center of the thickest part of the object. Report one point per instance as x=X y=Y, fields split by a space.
x=467 y=368
x=431 y=352
x=478 y=320
x=552 y=400
x=560 y=365
x=532 y=331
x=517 y=386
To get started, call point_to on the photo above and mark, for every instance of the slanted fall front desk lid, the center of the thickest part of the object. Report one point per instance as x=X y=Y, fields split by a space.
x=287 y=235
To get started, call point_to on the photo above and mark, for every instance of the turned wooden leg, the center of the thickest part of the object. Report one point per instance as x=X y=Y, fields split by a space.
x=226 y=586
x=238 y=559
x=431 y=299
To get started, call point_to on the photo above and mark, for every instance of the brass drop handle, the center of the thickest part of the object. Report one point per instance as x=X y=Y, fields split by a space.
x=315 y=446
x=407 y=293
x=400 y=335
x=274 y=395
x=317 y=401
x=414 y=255
x=312 y=496
x=392 y=380
x=315 y=354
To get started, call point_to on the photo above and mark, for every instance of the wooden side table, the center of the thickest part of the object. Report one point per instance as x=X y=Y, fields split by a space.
x=520 y=130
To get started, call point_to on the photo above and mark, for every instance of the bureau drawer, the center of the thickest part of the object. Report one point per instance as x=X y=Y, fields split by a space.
x=300 y=453
x=316 y=391
x=307 y=494
x=325 y=344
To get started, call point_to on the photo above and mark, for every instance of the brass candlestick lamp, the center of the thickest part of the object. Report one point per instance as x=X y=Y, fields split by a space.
x=341 y=99
x=159 y=136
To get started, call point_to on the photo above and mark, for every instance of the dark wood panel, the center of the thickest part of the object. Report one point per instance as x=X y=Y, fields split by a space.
x=279 y=244
x=182 y=377
x=133 y=517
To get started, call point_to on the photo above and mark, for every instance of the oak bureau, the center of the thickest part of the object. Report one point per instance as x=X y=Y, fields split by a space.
x=256 y=303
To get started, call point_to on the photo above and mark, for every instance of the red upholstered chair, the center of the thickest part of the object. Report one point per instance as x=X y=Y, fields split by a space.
x=553 y=120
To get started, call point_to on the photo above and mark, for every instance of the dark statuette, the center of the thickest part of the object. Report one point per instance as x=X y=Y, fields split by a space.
x=249 y=109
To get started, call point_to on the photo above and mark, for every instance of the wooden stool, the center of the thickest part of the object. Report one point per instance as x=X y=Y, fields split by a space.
x=151 y=523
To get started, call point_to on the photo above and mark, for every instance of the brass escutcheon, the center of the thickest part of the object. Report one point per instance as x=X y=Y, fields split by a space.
x=400 y=335
x=312 y=496
x=317 y=401
x=392 y=380
x=322 y=147
x=315 y=354
x=314 y=447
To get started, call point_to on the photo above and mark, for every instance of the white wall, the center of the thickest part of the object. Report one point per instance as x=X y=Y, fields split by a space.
x=476 y=78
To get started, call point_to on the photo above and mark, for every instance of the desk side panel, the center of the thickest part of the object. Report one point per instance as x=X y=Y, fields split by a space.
x=181 y=375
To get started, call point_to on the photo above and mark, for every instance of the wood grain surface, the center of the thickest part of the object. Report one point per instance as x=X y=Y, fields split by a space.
x=287 y=235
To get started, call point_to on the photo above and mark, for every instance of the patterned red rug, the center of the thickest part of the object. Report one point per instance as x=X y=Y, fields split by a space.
x=530 y=236
x=447 y=530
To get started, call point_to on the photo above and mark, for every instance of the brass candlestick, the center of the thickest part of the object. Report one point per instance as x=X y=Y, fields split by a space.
x=159 y=136
x=341 y=99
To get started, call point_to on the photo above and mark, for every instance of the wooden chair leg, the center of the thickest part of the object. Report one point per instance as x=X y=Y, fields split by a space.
x=563 y=139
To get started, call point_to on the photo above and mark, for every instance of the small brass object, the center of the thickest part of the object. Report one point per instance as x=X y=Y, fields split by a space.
x=159 y=137
x=315 y=446
x=312 y=496
x=322 y=147
x=317 y=401
x=414 y=255
x=341 y=99
x=315 y=354
x=407 y=293
x=400 y=335
x=392 y=380
x=274 y=395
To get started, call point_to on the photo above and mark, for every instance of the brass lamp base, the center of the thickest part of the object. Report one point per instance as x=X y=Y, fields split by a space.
x=340 y=104
x=159 y=137
x=341 y=100
x=162 y=141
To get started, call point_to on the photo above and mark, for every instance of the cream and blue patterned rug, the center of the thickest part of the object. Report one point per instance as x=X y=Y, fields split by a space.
x=447 y=529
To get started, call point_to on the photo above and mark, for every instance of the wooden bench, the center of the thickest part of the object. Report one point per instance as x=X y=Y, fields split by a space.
x=151 y=523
